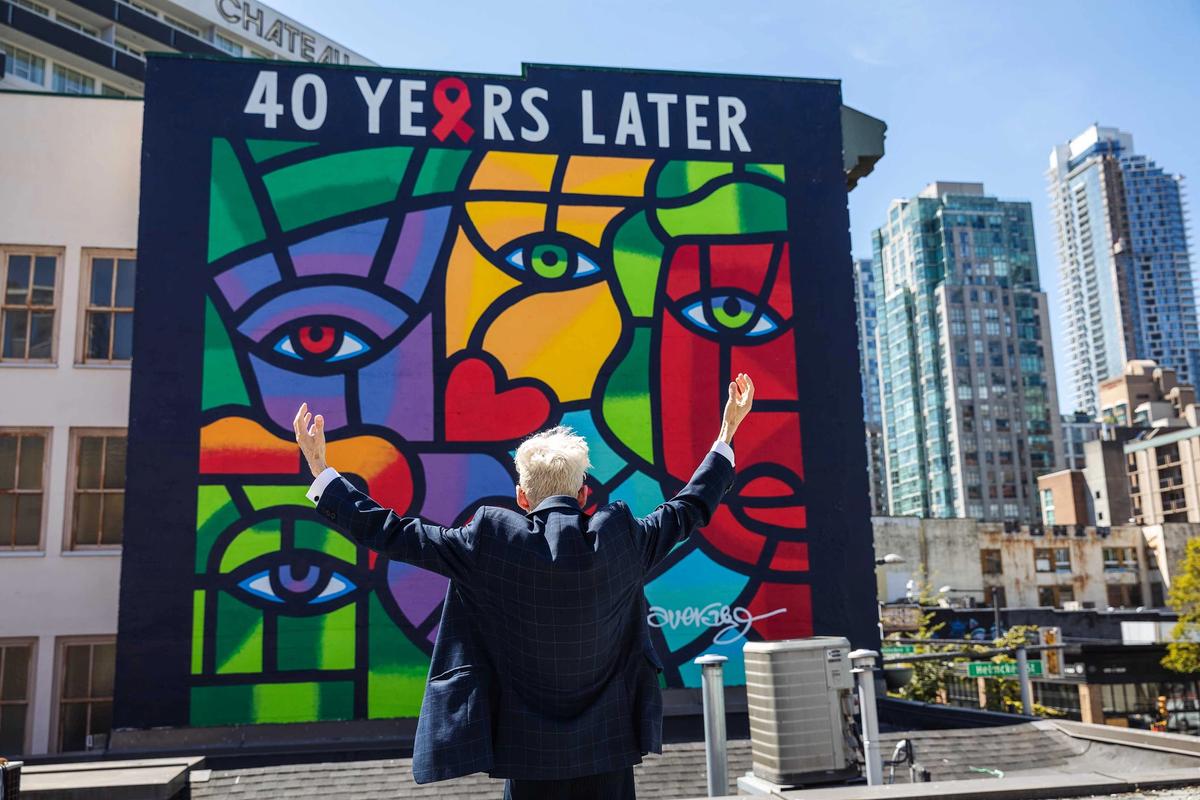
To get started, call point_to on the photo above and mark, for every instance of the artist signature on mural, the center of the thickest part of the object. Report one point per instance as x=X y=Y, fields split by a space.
x=734 y=621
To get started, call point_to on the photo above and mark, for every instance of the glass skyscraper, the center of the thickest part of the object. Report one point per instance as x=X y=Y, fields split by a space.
x=1127 y=287
x=864 y=304
x=968 y=400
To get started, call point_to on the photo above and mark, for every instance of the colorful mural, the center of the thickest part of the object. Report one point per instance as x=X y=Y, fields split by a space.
x=437 y=302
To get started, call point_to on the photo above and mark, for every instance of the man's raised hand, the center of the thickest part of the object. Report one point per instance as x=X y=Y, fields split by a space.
x=310 y=435
x=741 y=398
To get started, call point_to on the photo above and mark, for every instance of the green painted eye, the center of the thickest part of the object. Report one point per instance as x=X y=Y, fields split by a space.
x=732 y=312
x=549 y=260
x=728 y=314
x=552 y=260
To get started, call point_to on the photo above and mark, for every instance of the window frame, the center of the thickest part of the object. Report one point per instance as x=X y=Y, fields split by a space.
x=68 y=538
x=985 y=555
x=59 y=253
x=48 y=434
x=86 y=256
x=61 y=643
x=31 y=682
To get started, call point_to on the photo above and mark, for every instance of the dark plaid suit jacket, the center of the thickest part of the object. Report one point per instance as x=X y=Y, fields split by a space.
x=543 y=667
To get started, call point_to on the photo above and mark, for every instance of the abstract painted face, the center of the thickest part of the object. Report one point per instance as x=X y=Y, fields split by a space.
x=437 y=306
x=530 y=278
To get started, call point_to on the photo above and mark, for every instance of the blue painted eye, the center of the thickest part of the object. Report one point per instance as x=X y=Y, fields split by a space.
x=695 y=314
x=323 y=344
x=259 y=585
x=338 y=586
x=552 y=259
x=729 y=313
x=284 y=583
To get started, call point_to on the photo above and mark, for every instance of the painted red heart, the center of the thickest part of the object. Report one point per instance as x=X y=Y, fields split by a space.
x=477 y=411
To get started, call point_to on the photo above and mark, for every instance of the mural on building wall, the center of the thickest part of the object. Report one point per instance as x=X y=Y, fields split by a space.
x=437 y=301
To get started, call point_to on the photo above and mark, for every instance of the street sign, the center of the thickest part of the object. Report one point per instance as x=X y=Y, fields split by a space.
x=1051 y=658
x=899 y=649
x=900 y=618
x=1002 y=669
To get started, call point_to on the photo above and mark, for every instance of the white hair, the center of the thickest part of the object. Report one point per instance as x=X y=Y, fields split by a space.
x=551 y=463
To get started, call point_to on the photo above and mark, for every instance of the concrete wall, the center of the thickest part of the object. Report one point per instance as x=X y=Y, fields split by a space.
x=945 y=551
x=69 y=170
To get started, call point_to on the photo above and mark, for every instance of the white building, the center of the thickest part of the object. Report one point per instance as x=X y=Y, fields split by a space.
x=1127 y=288
x=99 y=48
x=69 y=178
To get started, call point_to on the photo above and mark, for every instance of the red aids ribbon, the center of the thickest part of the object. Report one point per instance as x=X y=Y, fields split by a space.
x=452 y=109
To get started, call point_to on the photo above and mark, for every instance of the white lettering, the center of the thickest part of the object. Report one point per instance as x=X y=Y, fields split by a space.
x=663 y=103
x=735 y=622
x=695 y=122
x=589 y=129
x=540 y=132
x=264 y=98
x=409 y=107
x=374 y=98
x=731 y=113
x=630 y=122
x=320 y=105
x=496 y=101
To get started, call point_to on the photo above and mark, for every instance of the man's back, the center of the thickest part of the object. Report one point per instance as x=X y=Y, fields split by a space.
x=560 y=591
x=543 y=666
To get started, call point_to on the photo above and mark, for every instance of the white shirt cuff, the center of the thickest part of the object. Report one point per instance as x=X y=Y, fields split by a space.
x=725 y=450
x=323 y=480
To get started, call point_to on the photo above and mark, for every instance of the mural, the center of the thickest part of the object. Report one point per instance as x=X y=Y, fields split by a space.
x=437 y=302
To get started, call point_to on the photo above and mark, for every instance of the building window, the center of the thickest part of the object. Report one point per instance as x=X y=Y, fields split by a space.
x=85 y=694
x=989 y=561
x=24 y=64
x=111 y=91
x=108 y=316
x=1124 y=595
x=74 y=24
x=68 y=81
x=1048 y=506
x=126 y=47
x=22 y=487
x=27 y=308
x=1119 y=559
x=1055 y=596
x=16 y=680
x=1052 y=559
x=183 y=26
x=36 y=8
x=98 y=502
x=227 y=45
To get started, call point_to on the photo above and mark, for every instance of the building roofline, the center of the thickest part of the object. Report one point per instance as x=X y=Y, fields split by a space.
x=526 y=68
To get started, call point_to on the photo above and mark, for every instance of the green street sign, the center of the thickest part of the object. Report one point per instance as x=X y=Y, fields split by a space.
x=1006 y=669
x=899 y=650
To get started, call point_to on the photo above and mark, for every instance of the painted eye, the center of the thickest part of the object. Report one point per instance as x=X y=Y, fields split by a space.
x=259 y=585
x=561 y=259
x=320 y=344
x=728 y=313
x=299 y=583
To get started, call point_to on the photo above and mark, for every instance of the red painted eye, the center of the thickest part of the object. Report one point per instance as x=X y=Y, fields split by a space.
x=316 y=340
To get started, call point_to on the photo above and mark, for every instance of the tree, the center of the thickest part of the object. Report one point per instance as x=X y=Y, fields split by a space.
x=1183 y=654
x=928 y=677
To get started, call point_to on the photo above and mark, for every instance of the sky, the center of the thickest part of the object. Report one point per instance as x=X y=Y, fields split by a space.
x=970 y=90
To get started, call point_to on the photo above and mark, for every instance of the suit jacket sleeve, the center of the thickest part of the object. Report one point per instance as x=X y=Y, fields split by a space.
x=446 y=551
x=692 y=508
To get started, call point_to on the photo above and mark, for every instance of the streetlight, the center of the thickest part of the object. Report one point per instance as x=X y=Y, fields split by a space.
x=890 y=558
x=995 y=602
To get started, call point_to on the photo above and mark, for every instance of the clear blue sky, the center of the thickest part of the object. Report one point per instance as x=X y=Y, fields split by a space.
x=970 y=91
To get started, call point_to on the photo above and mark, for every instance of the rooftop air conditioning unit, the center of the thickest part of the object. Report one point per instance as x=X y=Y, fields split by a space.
x=800 y=696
